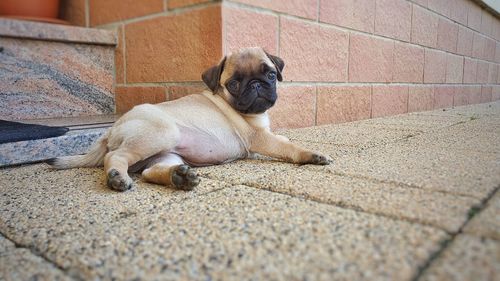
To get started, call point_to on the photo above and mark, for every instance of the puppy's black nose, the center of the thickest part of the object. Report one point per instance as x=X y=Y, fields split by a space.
x=255 y=86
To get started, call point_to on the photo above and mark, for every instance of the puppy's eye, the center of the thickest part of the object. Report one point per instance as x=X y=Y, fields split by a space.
x=271 y=76
x=233 y=85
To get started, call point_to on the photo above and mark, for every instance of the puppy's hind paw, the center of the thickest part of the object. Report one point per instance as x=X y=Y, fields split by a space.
x=185 y=178
x=118 y=182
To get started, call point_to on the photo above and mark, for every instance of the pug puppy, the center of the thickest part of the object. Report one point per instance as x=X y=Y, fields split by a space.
x=227 y=123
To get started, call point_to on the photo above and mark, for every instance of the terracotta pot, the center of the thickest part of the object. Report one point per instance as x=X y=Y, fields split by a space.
x=30 y=8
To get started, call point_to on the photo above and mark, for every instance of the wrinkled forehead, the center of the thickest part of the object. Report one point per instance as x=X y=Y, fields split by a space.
x=247 y=63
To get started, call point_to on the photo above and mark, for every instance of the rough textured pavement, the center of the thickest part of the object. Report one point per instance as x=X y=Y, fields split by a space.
x=410 y=197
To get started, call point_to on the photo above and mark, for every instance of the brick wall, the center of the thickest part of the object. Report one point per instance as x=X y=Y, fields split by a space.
x=345 y=59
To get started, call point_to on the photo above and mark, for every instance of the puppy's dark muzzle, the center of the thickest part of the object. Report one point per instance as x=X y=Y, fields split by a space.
x=257 y=96
x=262 y=90
x=255 y=85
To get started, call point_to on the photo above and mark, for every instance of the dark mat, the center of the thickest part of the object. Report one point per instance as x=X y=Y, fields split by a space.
x=15 y=131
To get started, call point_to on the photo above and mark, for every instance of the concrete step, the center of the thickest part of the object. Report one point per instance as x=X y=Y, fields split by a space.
x=49 y=70
x=84 y=131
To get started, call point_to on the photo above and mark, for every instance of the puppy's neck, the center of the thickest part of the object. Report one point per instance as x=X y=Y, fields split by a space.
x=245 y=123
x=258 y=121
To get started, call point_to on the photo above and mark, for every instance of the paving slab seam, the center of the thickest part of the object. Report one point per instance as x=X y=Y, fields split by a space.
x=476 y=210
x=418 y=131
x=367 y=146
x=473 y=211
x=479 y=151
x=40 y=255
x=448 y=111
x=451 y=115
x=352 y=208
x=128 y=215
x=400 y=184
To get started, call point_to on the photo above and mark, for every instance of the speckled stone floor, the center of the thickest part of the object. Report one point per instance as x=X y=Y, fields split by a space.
x=410 y=197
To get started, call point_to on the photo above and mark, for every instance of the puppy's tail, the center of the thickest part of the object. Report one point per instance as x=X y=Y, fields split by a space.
x=93 y=158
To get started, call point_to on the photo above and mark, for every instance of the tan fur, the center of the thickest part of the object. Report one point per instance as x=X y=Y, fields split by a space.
x=152 y=135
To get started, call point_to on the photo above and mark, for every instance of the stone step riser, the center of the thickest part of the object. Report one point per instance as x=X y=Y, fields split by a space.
x=61 y=71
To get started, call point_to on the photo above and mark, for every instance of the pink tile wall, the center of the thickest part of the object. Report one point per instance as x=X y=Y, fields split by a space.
x=372 y=58
x=313 y=52
x=344 y=59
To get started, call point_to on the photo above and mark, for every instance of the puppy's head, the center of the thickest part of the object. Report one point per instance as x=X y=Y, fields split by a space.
x=246 y=79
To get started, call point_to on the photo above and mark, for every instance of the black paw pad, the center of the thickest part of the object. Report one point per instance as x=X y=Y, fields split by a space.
x=185 y=178
x=118 y=182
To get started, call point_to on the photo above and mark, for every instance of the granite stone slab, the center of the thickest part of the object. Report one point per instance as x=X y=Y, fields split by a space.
x=21 y=264
x=40 y=79
x=72 y=143
x=427 y=166
x=487 y=222
x=467 y=258
x=54 y=32
x=441 y=210
x=243 y=233
x=38 y=202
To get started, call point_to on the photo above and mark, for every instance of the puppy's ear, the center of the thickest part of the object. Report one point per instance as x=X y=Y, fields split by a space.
x=211 y=76
x=278 y=63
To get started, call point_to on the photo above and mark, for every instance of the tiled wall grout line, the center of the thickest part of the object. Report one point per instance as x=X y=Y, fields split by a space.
x=467 y=18
x=371 y=101
x=124 y=44
x=411 y=24
x=348 y=56
x=114 y=74
x=447 y=56
x=423 y=70
x=224 y=34
x=316 y=106
x=393 y=60
x=167 y=94
x=463 y=71
x=407 y=100
x=278 y=38
x=318 y=10
x=87 y=13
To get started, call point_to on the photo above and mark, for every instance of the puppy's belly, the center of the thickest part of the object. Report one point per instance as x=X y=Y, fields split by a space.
x=202 y=148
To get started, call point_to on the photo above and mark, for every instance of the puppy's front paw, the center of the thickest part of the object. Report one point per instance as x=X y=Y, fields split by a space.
x=119 y=182
x=185 y=178
x=319 y=159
